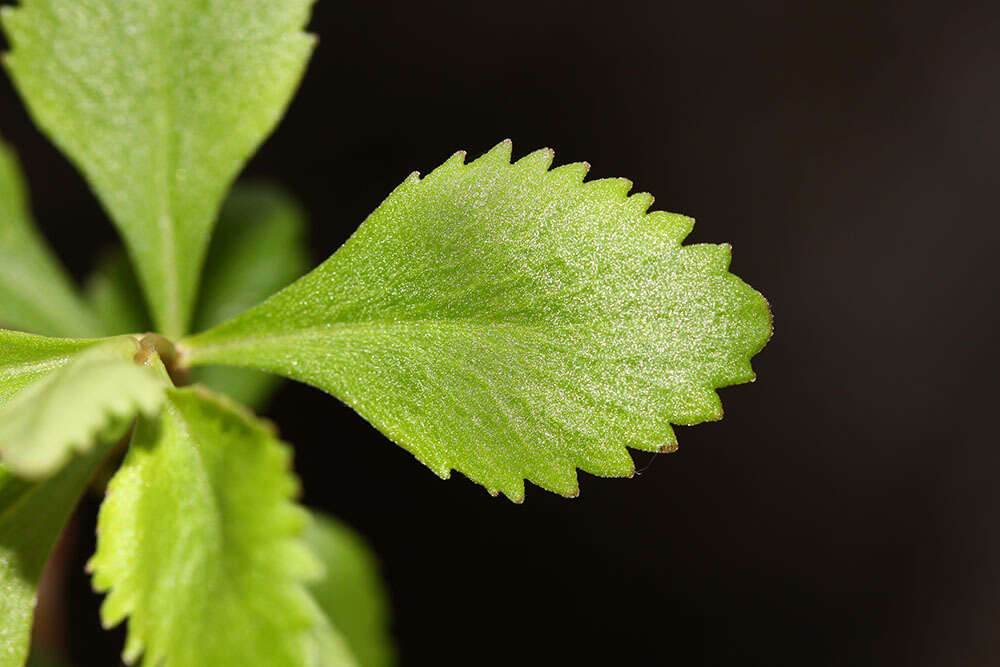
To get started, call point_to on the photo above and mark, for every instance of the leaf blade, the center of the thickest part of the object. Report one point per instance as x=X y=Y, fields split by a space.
x=159 y=104
x=114 y=295
x=512 y=322
x=198 y=532
x=36 y=293
x=32 y=516
x=95 y=393
x=351 y=593
x=259 y=247
x=26 y=358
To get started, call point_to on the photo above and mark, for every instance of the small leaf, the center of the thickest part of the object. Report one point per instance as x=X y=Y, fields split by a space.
x=32 y=516
x=512 y=322
x=36 y=294
x=197 y=541
x=159 y=103
x=258 y=248
x=115 y=296
x=95 y=394
x=26 y=358
x=351 y=593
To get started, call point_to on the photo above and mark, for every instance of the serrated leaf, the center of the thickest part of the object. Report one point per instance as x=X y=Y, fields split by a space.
x=258 y=248
x=94 y=395
x=36 y=294
x=159 y=103
x=350 y=592
x=113 y=292
x=32 y=516
x=197 y=541
x=513 y=322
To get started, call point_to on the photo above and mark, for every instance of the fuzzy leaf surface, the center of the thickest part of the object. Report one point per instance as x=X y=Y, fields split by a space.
x=95 y=394
x=513 y=322
x=351 y=593
x=36 y=294
x=258 y=248
x=198 y=541
x=159 y=103
x=32 y=516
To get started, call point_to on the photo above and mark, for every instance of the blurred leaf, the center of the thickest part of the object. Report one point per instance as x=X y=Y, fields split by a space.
x=26 y=358
x=95 y=394
x=159 y=103
x=115 y=296
x=330 y=649
x=32 y=516
x=252 y=388
x=36 y=294
x=198 y=541
x=512 y=323
x=351 y=593
x=259 y=247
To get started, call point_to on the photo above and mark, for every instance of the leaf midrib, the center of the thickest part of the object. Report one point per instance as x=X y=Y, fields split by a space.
x=172 y=323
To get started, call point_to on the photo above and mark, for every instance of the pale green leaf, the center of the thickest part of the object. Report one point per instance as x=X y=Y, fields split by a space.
x=351 y=593
x=198 y=541
x=113 y=292
x=258 y=248
x=36 y=294
x=32 y=516
x=329 y=648
x=159 y=103
x=513 y=322
x=93 y=395
x=26 y=358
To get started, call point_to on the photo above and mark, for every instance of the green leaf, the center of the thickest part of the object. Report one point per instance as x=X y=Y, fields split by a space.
x=351 y=593
x=513 y=322
x=197 y=541
x=113 y=292
x=36 y=294
x=94 y=394
x=32 y=516
x=329 y=648
x=258 y=248
x=26 y=358
x=159 y=103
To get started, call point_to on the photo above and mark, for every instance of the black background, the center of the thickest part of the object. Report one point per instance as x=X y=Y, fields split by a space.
x=844 y=511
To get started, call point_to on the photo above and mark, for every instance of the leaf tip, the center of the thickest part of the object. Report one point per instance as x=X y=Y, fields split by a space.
x=538 y=161
x=571 y=174
x=498 y=155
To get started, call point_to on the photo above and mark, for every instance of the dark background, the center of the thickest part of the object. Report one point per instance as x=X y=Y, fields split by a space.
x=845 y=511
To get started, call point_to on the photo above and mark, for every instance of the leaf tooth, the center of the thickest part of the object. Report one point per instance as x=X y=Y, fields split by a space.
x=616 y=189
x=711 y=258
x=450 y=166
x=617 y=462
x=675 y=225
x=639 y=203
x=558 y=476
x=570 y=174
x=698 y=404
x=498 y=156
x=134 y=649
x=537 y=162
